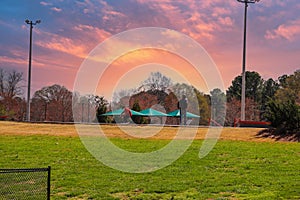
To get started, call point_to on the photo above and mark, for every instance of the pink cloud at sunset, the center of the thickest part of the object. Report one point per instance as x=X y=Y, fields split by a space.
x=5 y=59
x=289 y=31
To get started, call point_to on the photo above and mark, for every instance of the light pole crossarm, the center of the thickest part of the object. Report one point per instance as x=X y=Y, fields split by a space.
x=27 y=21
x=248 y=1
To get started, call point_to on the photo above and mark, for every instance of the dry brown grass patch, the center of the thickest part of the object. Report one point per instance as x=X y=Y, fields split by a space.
x=21 y=128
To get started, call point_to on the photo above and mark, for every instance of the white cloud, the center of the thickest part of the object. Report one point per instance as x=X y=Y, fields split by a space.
x=43 y=3
x=56 y=9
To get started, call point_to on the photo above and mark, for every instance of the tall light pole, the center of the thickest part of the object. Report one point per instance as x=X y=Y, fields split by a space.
x=29 y=66
x=243 y=98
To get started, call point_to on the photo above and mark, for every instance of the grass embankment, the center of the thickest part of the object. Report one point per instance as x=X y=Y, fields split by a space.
x=233 y=169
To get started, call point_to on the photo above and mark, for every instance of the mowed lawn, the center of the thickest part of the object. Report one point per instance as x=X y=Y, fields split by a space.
x=237 y=167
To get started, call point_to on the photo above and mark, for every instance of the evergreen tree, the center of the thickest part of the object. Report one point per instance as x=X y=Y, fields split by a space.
x=137 y=119
x=283 y=110
x=101 y=107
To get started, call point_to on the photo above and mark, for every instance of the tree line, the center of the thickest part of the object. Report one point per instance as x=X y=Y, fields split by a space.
x=276 y=101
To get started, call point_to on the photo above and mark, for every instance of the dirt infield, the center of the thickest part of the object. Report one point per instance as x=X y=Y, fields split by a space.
x=149 y=132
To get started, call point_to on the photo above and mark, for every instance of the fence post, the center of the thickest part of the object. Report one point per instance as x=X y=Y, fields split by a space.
x=48 y=184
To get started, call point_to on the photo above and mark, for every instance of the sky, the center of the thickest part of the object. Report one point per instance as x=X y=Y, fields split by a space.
x=71 y=30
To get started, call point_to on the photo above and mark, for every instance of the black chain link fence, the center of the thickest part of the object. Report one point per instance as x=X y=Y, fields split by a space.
x=25 y=184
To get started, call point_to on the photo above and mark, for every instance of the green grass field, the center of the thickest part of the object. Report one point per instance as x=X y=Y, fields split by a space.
x=232 y=170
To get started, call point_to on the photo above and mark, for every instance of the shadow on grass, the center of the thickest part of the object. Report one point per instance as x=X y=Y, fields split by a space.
x=279 y=134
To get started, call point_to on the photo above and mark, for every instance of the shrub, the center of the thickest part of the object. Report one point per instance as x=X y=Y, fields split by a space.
x=284 y=116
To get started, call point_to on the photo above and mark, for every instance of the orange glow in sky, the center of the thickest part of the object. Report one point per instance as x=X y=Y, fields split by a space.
x=129 y=70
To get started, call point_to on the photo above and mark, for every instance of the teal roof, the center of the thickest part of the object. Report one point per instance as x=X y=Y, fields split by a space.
x=120 y=112
x=176 y=113
x=153 y=112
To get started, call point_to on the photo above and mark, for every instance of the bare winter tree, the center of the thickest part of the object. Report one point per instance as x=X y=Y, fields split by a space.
x=86 y=107
x=14 y=88
x=52 y=103
x=2 y=80
x=156 y=81
x=234 y=111
x=89 y=106
x=218 y=106
x=10 y=84
x=64 y=100
x=121 y=94
x=10 y=94
x=42 y=98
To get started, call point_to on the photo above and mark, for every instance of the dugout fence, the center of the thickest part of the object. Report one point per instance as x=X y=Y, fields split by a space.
x=25 y=184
